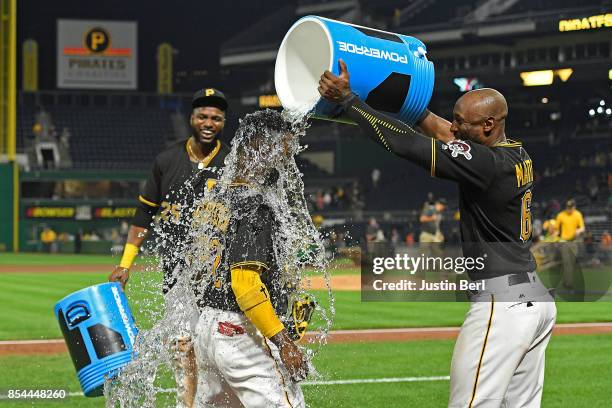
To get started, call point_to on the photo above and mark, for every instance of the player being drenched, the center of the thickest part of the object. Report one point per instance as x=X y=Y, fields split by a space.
x=499 y=355
x=166 y=195
x=242 y=292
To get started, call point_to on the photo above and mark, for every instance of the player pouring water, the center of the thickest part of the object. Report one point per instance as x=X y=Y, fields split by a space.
x=499 y=356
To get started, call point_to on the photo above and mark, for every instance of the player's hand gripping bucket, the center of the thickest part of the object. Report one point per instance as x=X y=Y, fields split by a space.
x=99 y=330
x=390 y=72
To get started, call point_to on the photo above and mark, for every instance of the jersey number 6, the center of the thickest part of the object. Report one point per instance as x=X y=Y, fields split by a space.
x=526 y=223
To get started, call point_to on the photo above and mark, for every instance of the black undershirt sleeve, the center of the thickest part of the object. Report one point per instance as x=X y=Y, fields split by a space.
x=390 y=133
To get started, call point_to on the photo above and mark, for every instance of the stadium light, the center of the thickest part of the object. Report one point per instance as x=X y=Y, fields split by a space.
x=564 y=73
x=599 y=110
x=602 y=103
x=544 y=100
x=537 y=78
x=591 y=112
x=608 y=111
x=545 y=77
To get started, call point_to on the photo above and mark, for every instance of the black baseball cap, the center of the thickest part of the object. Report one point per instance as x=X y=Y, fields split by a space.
x=209 y=97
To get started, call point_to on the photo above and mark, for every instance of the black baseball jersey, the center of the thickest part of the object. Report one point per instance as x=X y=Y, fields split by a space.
x=495 y=187
x=244 y=227
x=174 y=183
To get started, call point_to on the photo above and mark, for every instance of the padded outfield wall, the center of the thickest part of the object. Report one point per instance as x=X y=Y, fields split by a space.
x=71 y=215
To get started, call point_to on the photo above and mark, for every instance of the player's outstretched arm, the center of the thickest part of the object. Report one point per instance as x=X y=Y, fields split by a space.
x=337 y=89
x=254 y=300
x=390 y=133
x=121 y=273
x=434 y=126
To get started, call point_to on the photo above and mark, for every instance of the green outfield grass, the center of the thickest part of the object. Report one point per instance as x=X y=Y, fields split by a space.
x=577 y=374
x=27 y=258
x=339 y=267
x=28 y=300
x=577 y=367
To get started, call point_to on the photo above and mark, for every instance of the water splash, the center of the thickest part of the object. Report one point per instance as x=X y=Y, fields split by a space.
x=262 y=157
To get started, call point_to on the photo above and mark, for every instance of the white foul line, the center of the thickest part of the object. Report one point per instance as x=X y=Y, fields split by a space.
x=377 y=380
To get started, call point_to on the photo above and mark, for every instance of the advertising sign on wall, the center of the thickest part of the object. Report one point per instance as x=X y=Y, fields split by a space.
x=94 y=54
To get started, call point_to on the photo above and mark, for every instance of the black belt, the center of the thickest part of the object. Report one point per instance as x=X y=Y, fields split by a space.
x=518 y=278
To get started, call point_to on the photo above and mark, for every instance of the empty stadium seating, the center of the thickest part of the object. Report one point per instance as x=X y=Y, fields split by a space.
x=113 y=137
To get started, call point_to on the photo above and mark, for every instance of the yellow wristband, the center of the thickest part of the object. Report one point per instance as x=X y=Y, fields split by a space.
x=129 y=254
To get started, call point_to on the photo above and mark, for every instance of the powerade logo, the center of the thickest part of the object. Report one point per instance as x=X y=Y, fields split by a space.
x=124 y=316
x=372 y=52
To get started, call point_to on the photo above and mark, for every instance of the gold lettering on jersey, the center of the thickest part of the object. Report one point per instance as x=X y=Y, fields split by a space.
x=170 y=209
x=211 y=212
x=524 y=173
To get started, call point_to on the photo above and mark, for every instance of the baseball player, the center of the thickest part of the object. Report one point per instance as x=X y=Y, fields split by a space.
x=499 y=355
x=166 y=195
x=240 y=335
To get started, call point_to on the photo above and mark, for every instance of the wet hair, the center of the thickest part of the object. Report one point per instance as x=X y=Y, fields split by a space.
x=260 y=142
x=255 y=125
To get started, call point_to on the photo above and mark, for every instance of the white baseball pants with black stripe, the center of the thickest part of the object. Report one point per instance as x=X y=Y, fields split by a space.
x=498 y=360
x=243 y=370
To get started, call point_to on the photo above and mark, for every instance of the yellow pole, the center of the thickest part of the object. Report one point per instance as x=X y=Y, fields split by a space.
x=8 y=102
x=9 y=96
x=29 y=64
x=12 y=146
x=4 y=23
x=12 y=83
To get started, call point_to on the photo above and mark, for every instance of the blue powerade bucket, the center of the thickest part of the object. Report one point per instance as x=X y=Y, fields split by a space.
x=389 y=71
x=99 y=331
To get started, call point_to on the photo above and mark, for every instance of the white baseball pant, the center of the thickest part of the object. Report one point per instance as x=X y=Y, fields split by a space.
x=240 y=369
x=498 y=360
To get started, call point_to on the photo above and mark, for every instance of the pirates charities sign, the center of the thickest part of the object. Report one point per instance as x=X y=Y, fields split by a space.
x=94 y=54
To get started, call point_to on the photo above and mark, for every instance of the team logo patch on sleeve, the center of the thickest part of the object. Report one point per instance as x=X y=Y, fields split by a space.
x=458 y=147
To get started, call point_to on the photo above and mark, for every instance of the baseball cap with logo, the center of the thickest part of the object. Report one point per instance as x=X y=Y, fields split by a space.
x=209 y=97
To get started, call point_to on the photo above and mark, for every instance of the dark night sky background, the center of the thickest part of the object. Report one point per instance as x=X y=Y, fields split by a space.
x=195 y=28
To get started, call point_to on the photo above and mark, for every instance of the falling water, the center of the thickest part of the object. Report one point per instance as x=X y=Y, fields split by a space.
x=267 y=164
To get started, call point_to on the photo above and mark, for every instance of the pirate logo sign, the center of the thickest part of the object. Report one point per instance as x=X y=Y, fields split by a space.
x=458 y=147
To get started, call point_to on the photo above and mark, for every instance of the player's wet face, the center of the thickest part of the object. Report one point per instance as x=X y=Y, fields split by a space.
x=462 y=129
x=206 y=123
x=465 y=125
